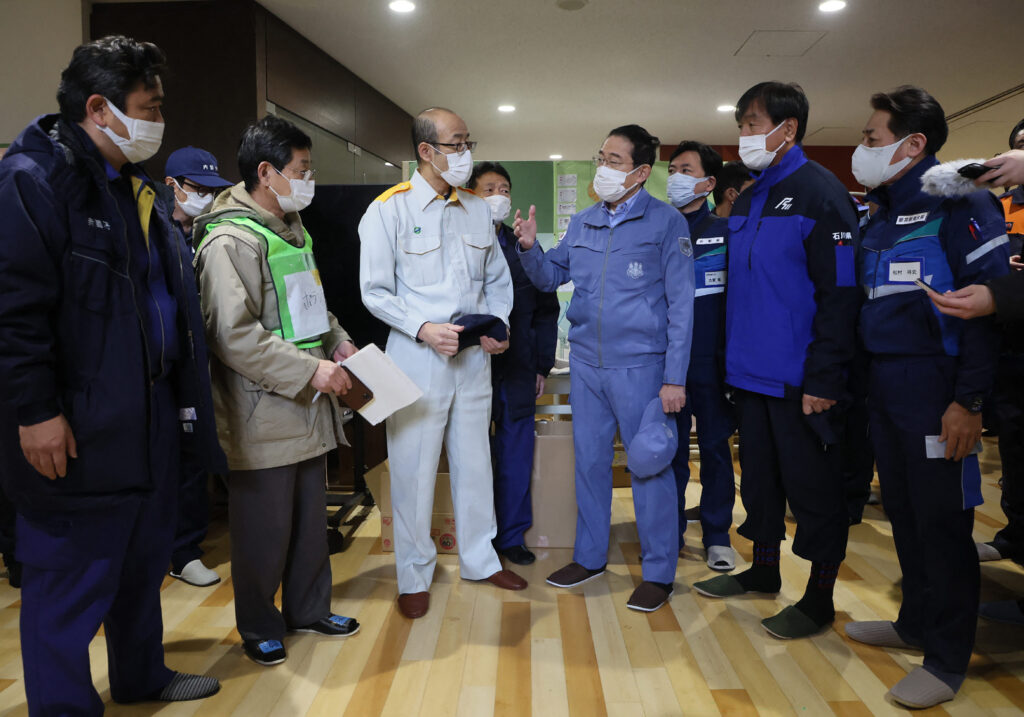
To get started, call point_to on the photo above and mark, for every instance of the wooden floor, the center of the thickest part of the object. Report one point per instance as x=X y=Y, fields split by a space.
x=548 y=653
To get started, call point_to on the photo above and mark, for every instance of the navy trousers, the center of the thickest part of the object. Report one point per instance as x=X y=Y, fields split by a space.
x=102 y=566
x=783 y=459
x=1009 y=409
x=930 y=503
x=512 y=450
x=716 y=422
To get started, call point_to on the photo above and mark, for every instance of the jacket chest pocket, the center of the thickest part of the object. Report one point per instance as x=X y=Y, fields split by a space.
x=475 y=247
x=586 y=264
x=98 y=285
x=635 y=268
x=419 y=260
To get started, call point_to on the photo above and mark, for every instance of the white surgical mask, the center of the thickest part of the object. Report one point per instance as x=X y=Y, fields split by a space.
x=608 y=183
x=871 y=166
x=753 y=151
x=680 y=189
x=194 y=205
x=500 y=206
x=144 y=137
x=460 y=166
x=299 y=199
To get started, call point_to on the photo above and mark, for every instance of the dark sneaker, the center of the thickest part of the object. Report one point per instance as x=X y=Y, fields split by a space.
x=332 y=626
x=264 y=652
x=183 y=687
x=648 y=597
x=572 y=575
x=518 y=554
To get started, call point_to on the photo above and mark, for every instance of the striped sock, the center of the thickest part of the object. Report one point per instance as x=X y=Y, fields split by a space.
x=817 y=600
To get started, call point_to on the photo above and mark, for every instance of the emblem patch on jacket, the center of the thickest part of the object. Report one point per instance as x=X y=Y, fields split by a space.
x=685 y=246
x=635 y=270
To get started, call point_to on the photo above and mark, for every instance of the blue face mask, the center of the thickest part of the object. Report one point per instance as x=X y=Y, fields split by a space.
x=680 y=189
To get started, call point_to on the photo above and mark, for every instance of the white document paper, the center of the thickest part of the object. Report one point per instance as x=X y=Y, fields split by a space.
x=567 y=208
x=567 y=195
x=566 y=180
x=392 y=389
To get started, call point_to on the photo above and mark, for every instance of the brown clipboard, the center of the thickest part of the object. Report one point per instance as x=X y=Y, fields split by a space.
x=358 y=396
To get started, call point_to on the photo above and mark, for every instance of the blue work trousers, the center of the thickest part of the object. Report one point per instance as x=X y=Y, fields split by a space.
x=716 y=422
x=100 y=566
x=512 y=449
x=603 y=399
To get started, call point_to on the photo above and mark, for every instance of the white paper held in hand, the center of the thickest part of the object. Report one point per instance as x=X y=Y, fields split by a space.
x=392 y=389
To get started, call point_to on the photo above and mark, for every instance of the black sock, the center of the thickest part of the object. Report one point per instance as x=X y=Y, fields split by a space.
x=763 y=576
x=817 y=600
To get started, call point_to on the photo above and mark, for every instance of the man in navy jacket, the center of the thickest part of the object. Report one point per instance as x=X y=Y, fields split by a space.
x=103 y=372
x=791 y=314
x=931 y=376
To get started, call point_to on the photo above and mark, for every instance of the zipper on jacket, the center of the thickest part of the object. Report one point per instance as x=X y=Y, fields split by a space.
x=750 y=249
x=600 y=303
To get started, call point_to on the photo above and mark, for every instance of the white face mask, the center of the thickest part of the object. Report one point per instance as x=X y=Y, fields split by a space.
x=301 y=196
x=460 y=166
x=680 y=189
x=500 y=206
x=194 y=205
x=754 y=153
x=144 y=137
x=871 y=166
x=608 y=183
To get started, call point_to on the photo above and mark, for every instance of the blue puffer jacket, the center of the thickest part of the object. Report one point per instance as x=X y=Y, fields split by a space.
x=632 y=302
x=792 y=301
x=73 y=327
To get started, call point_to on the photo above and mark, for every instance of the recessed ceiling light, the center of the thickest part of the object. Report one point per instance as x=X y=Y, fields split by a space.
x=726 y=108
x=506 y=108
x=570 y=4
x=832 y=5
x=402 y=6
x=554 y=156
x=388 y=164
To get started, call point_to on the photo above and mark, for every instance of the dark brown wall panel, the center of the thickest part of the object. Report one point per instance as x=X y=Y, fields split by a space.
x=211 y=89
x=382 y=127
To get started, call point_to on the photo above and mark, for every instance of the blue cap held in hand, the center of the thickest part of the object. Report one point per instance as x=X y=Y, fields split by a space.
x=655 y=443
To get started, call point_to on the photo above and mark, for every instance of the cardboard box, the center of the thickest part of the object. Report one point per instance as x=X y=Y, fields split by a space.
x=442 y=532
x=378 y=481
x=553 y=487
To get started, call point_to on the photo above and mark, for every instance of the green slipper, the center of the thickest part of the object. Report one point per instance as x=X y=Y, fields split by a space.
x=720 y=586
x=791 y=623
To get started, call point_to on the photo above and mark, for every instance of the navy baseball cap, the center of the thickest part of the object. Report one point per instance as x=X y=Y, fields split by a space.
x=196 y=165
x=654 y=445
x=478 y=325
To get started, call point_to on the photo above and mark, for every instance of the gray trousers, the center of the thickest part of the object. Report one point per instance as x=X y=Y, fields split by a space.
x=278 y=522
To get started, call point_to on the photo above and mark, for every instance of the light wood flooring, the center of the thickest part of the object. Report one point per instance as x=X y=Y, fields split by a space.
x=552 y=653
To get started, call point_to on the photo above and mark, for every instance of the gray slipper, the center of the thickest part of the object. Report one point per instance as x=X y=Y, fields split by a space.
x=921 y=689
x=880 y=633
x=1007 y=611
x=987 y=552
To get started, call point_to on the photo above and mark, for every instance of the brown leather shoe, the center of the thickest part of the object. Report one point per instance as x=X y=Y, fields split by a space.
x=414 y=605
x=507 y=580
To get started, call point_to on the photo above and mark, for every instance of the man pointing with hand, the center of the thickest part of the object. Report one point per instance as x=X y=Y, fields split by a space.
x=631 y=263
x=428 y=258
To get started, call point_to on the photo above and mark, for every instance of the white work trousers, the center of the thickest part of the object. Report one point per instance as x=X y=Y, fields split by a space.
x=455 y=408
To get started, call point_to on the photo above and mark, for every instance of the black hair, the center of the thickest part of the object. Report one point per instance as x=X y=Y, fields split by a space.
x=424 y=129
x=780 y=101
x=271 y=139
x=112 y=66
x=710 y=160
x=483 y=168
x=731 y=175
x=913 y=110
x=645 y=145
x=1017 y=129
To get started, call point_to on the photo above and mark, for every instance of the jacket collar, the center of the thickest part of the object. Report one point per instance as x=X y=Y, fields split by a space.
x=424 y=194
x=636 y=209
x=693 y=219
x=790 y=162
x=905 y=193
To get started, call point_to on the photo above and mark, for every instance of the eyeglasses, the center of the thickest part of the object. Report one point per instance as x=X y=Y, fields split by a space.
x=305 y=176
x=198 y=189
x=613 y=163
x=459 y=147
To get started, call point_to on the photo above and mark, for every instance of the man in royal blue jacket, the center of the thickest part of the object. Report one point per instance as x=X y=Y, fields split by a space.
x=103 y=372
x=931 y=376
x=631 y=263
x=791 y=314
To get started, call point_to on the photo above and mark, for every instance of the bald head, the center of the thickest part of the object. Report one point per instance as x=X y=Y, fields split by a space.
x=434 y=125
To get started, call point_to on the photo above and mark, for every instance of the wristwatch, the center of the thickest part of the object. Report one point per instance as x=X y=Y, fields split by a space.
x=973 y=404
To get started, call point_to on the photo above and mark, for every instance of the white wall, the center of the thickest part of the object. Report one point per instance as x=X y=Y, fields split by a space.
x=38 y=38
x=983 y=133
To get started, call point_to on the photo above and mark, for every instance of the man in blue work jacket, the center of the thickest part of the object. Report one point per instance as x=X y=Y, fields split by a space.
x=517 y=376
x=692 y=175
x=104 y=376
x=930 y=378
x=791 y=314
x=630 y=260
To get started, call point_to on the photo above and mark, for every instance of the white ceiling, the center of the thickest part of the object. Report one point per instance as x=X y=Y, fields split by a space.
x=666 y=64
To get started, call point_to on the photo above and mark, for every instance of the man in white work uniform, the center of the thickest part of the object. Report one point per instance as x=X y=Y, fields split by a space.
x=429 y=257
